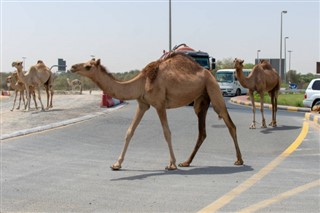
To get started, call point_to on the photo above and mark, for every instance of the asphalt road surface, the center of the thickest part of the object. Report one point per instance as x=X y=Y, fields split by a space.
x=67 y=169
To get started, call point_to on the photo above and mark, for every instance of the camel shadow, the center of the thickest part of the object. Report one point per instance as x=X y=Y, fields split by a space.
x=209 y=170
x=46 y=111
x=279 y=128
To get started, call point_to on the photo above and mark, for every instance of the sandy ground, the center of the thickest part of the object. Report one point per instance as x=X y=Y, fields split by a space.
x=65 y=106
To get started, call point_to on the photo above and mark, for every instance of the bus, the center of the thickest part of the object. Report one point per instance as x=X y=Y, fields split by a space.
x=228 y=82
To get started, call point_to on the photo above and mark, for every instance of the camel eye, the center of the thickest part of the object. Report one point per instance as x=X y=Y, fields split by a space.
x=88 y=67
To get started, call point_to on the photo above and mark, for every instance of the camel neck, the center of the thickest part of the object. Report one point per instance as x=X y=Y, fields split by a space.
x=241 y=77
x=21 y=76
x=128 y=90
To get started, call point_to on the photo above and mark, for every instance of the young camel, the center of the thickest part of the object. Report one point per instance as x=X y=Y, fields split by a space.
x=37 y=76
x=74 y=84
x=263 y=78
x=19 y=87
x=166 y=83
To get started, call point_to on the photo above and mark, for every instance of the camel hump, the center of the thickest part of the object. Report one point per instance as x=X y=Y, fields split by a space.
x=266 y=65
x=151 y=70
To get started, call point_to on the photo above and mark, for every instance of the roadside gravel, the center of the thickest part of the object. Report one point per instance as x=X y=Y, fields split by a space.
x=67 y=108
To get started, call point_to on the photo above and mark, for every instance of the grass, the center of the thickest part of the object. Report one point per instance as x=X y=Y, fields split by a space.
x=293 y=99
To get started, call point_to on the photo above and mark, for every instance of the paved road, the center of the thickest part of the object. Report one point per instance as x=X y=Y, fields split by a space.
x=67 y=169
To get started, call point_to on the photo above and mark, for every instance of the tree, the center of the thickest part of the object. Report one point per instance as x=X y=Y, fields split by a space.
x=293 y=76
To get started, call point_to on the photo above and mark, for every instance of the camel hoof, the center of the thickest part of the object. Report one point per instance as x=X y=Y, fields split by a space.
x=115 y=168
x=263 y=126
x=171 y=167
x=238 y=162
x=184 y=164
x=252 y=127
x=273 y=124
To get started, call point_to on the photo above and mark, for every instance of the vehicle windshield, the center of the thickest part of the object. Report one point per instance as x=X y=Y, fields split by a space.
x=203 y=61
x=224 y=77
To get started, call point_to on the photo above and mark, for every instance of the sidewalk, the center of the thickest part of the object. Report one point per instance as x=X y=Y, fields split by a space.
x=312 y=116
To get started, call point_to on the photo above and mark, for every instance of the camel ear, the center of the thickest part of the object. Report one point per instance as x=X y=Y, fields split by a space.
x=98 y=62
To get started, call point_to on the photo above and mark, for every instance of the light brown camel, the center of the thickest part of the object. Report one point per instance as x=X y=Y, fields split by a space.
x=74 y=84
x=166 y=83
x=37 y=76
x=263 y=78
x=19 y=87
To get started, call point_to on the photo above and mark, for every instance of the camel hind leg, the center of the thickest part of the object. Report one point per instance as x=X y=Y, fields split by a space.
x=220 y=108
x=201 y=106
x=273 y=97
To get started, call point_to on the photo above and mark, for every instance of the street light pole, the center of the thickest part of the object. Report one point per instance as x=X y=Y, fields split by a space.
x=170 y=33
x=289 y=51
x=24 y=62
x=285 y=57
x=258 y=51
x=280 y=68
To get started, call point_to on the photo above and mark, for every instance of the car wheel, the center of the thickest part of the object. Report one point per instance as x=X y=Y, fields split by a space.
x=317 y=102
x=238 y=92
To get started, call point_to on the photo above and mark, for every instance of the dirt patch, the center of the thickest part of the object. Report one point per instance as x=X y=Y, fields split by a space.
x=65 y=106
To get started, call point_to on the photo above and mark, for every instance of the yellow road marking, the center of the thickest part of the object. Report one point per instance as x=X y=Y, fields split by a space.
x=225 y=199
x=280 y=197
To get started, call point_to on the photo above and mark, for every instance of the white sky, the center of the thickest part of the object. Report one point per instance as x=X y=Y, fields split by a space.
x=127 y=35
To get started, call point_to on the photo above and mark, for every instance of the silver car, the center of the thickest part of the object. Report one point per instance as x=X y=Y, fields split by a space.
x=312 y=94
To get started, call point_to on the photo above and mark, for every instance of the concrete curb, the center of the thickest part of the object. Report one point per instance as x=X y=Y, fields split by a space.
x=62 y=123
x=308 y=114
x=313 y=117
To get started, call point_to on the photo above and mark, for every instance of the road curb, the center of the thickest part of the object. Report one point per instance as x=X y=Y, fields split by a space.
x=61 y=123
x=269 y=106
x=308 y=114
x=313 y=117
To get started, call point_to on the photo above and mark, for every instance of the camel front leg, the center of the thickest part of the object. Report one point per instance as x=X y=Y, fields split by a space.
x=201 y=109
x=39 y=98
x=253 y=125
x=27 y=106
x=167 y=135
x=24 y=102
x=14 y=101
x=263 y=123
x=142 y=108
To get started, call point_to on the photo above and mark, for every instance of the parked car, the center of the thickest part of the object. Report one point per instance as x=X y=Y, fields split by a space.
x=312 y=94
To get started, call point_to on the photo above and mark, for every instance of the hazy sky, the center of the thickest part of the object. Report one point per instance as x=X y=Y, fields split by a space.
x=127 y=35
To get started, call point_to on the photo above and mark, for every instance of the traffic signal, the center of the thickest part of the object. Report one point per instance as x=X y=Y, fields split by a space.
x=213 y=63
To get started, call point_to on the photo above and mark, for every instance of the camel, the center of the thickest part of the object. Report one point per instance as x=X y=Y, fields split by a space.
x=19 y=87
x=74 y=84
x=172 y=82
x=263 y=78
x=37 y=76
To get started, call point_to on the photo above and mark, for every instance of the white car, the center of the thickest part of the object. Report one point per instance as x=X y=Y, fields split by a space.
x=312 y=94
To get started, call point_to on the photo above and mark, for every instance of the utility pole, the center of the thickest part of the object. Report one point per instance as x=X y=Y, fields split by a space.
x=170 y=33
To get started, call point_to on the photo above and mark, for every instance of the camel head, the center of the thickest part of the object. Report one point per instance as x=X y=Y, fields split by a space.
x=87 y=69
x=238 y=63
x=9 y=81
x=17 y=64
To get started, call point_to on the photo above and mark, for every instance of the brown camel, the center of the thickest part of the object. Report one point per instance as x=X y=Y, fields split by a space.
x=166 y=83
x=74 y=84
x=37 y=76
x=263 y=78
x=19 y=87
